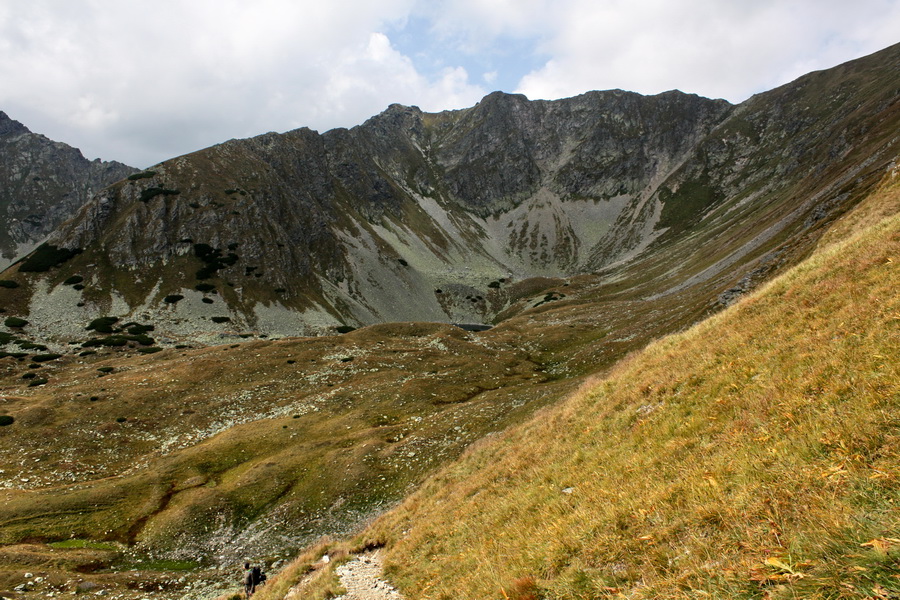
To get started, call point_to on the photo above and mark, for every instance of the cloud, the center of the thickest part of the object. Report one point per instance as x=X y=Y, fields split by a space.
x=142 y=81
x=711 y=47
x=145 y=80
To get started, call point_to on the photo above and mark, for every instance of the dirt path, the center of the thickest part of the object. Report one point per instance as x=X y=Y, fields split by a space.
x=361 y=578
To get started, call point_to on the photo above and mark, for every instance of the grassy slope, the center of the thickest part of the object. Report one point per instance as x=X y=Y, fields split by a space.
x=754 y=455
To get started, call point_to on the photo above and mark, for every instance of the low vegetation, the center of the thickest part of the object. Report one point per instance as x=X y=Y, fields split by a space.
x=755 y=455
x=45 y=257
x=150 y=193
x=142 y=175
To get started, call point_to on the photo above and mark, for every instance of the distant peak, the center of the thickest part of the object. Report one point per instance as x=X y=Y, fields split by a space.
x=11 y=126
x=499 y=96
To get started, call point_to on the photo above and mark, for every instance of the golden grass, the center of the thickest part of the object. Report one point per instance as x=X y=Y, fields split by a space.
x=755 y=455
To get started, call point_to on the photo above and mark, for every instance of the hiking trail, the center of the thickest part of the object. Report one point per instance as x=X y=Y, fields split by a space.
x=361 y=577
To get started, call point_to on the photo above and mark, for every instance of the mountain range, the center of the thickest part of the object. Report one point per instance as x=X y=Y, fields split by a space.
x=168 y=399
x=444 y=217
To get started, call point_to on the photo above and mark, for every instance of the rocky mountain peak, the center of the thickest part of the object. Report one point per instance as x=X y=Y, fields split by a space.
x=10 y=127
x=42 y=183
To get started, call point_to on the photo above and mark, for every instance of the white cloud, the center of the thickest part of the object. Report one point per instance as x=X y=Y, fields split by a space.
x=144 y=80
x=716 y=48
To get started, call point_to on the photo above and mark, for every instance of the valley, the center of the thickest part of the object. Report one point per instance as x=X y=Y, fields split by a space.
x=250 y=351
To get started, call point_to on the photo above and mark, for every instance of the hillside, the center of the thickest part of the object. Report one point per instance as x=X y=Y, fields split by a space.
x=42 y=183
x=754 y=455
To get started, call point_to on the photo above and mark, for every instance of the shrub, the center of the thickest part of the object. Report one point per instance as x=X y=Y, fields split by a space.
x=150 y=350
x=26 y=345
x=207 y=300
x=121 y=420
x=37 y=382
x=152 y=192
x=8 y=283
x=142 y=339
x=105 y=369
x=110 y=341
x=345 y=328
x=494 y=284
x=220 y=319
x=173 y=298
x=45 y=257
x=6 y=420
x=73 y=280
x=204 y=287
x=39 y=358
x=103 y=324
x=15 y=322
x=213 y=259
x=143 y=175
x=78 y=287
x=29 y=375
x=138 y=329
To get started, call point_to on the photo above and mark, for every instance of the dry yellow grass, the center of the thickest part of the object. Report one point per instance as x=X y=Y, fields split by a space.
x=755 y=455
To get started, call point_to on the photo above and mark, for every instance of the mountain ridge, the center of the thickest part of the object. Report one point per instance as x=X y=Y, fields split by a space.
x=42 y=183
x=412 y=215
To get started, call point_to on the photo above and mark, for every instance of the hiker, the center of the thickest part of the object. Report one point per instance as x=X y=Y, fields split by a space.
x=253 y=578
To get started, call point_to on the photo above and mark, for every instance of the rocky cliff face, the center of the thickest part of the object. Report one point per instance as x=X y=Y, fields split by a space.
x=417 y=216
x=42 y=183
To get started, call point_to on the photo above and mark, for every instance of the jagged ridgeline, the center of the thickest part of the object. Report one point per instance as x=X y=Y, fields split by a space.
x=582 y=228
x=42 y=183
x=452 y=216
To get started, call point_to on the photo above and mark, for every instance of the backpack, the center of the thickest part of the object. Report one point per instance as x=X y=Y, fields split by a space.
x=258 y=576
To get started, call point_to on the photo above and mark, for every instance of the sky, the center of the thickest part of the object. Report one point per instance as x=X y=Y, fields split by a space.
x=141 y=81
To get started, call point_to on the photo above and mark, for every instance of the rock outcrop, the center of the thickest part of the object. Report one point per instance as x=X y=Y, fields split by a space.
x=42 y=183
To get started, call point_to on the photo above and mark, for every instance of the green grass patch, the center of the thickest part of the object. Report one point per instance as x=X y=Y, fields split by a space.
x=142 y=175
x=166 y=565
x=82 y=543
